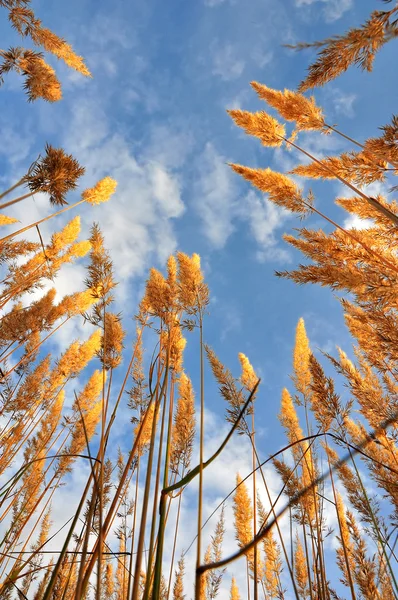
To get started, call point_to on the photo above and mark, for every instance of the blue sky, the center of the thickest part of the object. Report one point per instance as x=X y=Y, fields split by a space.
x=154 y=117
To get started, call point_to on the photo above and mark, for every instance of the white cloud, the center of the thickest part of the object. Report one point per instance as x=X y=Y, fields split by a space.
x=374 y=189
x=168 y=146
x=333 y=10
x=108 y=31
x=343 y=103
x=355 y=222
x=216 y=201
x=214 y=196
x=238 y=101
x=137 y=220
x=265 y=218
x=231 y=320
x=262 y=57
x=16 y=145
x=213 y=3
x=226 y=64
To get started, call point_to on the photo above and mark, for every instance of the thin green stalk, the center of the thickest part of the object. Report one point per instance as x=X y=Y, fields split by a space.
x=307 y=561
x=104 y=409
x=126 y=473
x=174 y=543
x=247 y=579
x=201 y=457
x=50 y=586
x=141 y=538
x=347 y=562
x=155 y=503
x=309 y=461
x=169 y=432
x=133 y=528
x=339 y=463
x=276 y=521
x=376 y=527
x=182 y=483
x=255 y=575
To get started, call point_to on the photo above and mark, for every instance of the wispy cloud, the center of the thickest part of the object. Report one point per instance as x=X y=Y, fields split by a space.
x=355 y=222
x=265 y=218
x=343 y=102
x=226 y=63
x=213 y=3
x=214 y=196
x=333 y=9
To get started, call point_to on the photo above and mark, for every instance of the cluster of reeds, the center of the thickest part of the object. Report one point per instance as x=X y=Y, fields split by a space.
x=40 y=79
x=330 y=529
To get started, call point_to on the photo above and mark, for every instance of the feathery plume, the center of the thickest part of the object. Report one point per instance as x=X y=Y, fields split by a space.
x=280 y=188
x=214 y=554
x=40 y=78
x=364 y=567
x=109 y=584
x=101 y=192
x=302 y=452
x=193 y=292
x=175 y=342
x=4 y=220
x=261 y=125
x=248 y=377
x=110 y=353
x=292 y=106
x=76 y=303
x=157 y=299
x=344 y=556
x=184 y=426
x=272 y=565
x=358 y=46
x=42 y=36
x=178 y=588
x=243 y=517
x=234 y=592
x=300 y=568
x=228 y=390
x=146 y=431
x=55 y=174
x=301 y=359
x=360 y=168
x=63 y=238
x=385 y=146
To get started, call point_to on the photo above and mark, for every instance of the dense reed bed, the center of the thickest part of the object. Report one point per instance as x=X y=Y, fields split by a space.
x=122 y=538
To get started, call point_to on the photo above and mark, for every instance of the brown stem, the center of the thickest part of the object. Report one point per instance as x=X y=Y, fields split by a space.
x=26 y=356
x=12 y=188
x=347 y=137
x=59 y=212
x=16 y=200
x=372 y=201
